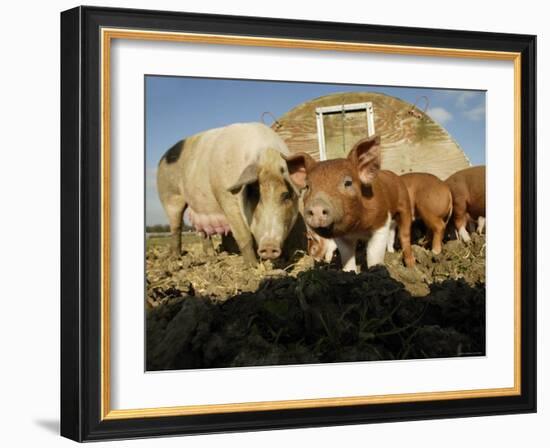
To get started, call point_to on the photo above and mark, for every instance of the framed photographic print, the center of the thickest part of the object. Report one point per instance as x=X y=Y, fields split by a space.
x=273 y=223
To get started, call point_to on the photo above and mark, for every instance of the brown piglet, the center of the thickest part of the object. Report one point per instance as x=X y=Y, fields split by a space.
x=468 y=190
x=351 y=199
x=319 y=248
x=431 y=202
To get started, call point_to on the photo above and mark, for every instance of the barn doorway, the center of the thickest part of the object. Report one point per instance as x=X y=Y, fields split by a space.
x=340 y=127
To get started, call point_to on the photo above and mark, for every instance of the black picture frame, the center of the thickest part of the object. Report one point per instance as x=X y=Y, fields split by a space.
x=81 y=210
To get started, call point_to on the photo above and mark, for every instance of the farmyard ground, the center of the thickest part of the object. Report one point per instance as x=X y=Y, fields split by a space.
x=211 y=311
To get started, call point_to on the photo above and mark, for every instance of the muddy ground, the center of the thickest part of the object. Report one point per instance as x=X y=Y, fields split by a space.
x=211 y=310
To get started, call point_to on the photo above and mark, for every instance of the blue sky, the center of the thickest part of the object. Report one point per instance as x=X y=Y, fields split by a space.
x=177 y=107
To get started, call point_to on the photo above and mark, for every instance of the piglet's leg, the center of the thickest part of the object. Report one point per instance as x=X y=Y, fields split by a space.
x=437 y=235
x=405 y=238
x=463 y=234
x=461 y=218
x=331 y=248
x=346 y=247
x=480 y=224
x=378 y=242
x=391 y=236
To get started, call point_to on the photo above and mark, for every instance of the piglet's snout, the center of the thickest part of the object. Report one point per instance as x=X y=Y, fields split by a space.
x=269 y=249
x=318 y=214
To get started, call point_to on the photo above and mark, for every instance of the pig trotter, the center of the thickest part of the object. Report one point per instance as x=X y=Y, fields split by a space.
x=409 y=258
x=463 y=233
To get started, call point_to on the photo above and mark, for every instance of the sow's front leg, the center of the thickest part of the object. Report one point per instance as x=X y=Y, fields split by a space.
x=241 y=232
x=244 y=239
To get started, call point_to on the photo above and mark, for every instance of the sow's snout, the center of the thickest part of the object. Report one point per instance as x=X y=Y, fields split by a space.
x=269 y=249
x=319 y=214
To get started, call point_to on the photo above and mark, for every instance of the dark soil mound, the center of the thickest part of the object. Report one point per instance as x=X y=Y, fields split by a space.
x=212 y=311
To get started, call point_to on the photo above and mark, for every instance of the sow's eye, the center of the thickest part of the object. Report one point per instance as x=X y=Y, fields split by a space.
x=348 y=182
x=286 y=196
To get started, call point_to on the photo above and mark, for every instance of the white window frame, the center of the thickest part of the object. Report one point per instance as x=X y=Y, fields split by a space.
x=320 y=111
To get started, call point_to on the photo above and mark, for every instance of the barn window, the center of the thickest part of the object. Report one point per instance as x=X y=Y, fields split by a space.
x=340 y=127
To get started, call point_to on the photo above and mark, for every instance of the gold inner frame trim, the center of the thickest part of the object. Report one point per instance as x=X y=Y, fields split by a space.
x=107 y=35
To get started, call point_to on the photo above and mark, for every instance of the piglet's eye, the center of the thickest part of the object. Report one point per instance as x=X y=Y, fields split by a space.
x=348 y=182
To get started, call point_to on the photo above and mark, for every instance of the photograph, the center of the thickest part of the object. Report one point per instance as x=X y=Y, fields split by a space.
x=292 y=223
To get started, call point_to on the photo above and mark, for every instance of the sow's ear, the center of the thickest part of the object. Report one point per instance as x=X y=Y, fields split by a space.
x=247 y=177
x=299 y=165
x=365 y=155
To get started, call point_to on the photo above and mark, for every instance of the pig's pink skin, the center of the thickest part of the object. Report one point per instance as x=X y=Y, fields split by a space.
x=209 y=171
x=215 y=224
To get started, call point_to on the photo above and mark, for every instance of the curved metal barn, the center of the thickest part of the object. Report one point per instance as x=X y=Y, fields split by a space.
x=328 y=127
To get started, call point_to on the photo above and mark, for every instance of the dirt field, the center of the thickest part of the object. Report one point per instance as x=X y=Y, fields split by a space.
x=206 y=311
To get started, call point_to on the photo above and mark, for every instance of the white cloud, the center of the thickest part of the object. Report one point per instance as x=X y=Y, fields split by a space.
x=463 y=98
x=440 y=114
x=476 y=113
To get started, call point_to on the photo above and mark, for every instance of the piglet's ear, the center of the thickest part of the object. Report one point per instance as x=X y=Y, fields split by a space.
x=299 y=165
x=248 y=176
x=365 y=156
